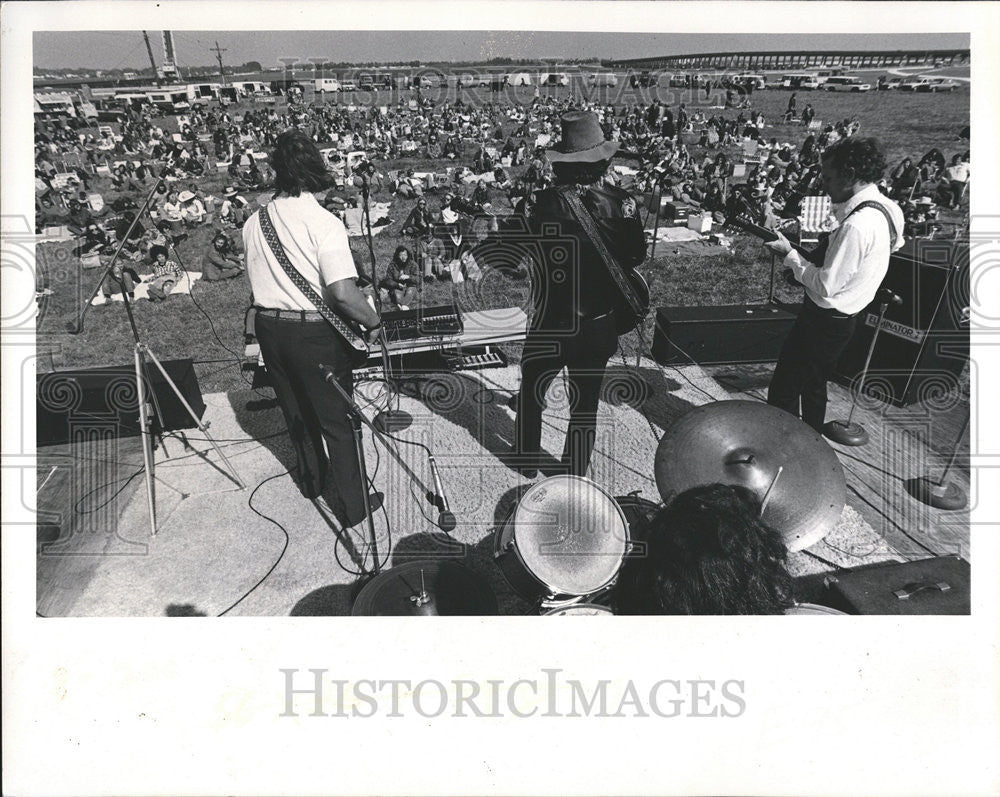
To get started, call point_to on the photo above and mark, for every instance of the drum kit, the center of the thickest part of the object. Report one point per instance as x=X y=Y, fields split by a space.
x=563 y=545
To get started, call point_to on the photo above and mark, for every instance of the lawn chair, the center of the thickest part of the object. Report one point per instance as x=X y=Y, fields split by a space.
x=751 y=155
x=813 y=215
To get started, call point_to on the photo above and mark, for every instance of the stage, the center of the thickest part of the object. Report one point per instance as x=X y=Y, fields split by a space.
x=96 y=556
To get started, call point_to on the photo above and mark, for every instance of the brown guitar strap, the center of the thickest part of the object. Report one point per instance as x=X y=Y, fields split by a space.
x=582 y=215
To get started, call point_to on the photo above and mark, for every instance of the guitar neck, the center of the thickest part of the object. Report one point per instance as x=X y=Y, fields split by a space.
x=767 y=235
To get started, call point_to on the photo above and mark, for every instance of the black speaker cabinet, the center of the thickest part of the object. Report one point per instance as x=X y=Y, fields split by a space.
x=721 y=334
x=73 y=401
x=924 y=342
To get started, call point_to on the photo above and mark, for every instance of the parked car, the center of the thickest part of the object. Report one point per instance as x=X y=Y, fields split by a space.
x=931 y=84
x=935 y=84
x=845 y=83
x=810 y=84
x=893 y=84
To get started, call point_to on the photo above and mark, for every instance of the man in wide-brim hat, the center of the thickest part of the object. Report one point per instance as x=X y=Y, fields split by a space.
x=574 y=320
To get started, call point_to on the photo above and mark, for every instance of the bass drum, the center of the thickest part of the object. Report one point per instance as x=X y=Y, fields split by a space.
x=565 y=539
x=579 y=608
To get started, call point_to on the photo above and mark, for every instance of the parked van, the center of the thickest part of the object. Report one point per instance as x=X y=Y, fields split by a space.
x=518 y=79
x=758 y=80
x=321 y=85
x=846 y=83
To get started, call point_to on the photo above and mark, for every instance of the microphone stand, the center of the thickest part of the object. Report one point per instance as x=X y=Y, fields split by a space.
x=391 y=420
x=848 y=433
x=143 y=356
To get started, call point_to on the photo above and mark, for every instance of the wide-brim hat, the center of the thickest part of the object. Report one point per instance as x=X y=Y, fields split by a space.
x=925 y=200
x=229 y=191
x=185 y=196
x=582 y=140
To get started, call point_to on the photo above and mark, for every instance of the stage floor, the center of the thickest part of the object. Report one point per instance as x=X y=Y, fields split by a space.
x=97 y=557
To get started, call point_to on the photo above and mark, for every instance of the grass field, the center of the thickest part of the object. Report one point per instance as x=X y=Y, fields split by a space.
x=207 y=326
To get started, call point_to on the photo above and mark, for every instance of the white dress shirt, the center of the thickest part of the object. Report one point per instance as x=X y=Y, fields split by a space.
x=316 y=243
x=857 y=257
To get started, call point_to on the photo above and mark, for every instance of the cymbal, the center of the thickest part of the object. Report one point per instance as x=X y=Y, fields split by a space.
x=744 y=443
x=428 y=588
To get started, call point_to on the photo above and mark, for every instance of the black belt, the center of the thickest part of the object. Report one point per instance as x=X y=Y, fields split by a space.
x=290 y=315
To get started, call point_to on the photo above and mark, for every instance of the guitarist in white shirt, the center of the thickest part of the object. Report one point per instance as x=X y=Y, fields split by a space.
x=854 y=264
x=295 y=337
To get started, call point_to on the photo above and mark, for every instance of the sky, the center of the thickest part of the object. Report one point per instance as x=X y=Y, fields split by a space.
x=125 y=49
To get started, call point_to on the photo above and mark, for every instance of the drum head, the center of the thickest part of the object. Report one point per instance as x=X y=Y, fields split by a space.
x=570 y=534
x=580 y=608
x=810 y=608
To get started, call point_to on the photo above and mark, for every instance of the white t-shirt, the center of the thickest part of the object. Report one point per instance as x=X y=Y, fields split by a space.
x=316 y=243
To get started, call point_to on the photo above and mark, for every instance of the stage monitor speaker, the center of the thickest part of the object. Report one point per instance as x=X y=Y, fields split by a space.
x=69 y=402
x=722 y=334
x=924 y=343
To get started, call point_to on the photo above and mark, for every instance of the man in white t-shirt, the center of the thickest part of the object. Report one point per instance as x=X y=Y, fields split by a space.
x=837 y=290
x=294 y=338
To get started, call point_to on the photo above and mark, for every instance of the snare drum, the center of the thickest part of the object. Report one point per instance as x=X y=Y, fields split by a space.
x=565 y=538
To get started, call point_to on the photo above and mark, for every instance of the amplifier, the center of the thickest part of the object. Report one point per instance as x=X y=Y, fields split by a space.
x=924 y=343
x=73 y=401
x=721 y=334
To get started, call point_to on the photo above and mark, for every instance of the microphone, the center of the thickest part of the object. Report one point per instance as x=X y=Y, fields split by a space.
x=446 y=520
x=328 y=374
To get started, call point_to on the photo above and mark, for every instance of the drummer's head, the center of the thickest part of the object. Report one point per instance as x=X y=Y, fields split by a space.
x=708 y=553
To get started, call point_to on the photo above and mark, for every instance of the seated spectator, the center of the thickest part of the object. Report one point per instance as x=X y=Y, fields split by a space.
x=192 y=209
x=171 y=211
x=400 y=280
x=708 y=553
x=408 y=186
x=418 y=223
x=121 y=279
x=905 y=179
x=166 y=274
x=223 y=261
x=235 y=209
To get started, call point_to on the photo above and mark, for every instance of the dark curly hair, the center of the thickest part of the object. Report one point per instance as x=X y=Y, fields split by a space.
x=860 y=157
x=708 y=553
x=298 y=164
x=571 y=173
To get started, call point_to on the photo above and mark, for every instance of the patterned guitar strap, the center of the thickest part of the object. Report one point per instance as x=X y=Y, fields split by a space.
x=586 y=221
x=353 y=339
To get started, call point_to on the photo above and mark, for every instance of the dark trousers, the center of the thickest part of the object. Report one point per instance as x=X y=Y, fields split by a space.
x=807 y=360
x=585 y=354
x=314 y=410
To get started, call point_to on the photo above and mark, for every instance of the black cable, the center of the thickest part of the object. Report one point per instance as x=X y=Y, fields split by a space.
x=280 y=555
x=827 y=562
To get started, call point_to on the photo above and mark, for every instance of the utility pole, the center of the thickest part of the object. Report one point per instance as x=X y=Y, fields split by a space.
x=149 y=49
x=218 y=55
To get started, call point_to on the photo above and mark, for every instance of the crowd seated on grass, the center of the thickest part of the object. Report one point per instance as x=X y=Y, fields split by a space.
x=483 y=159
